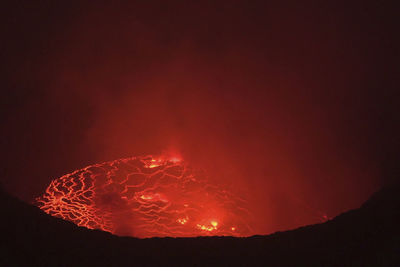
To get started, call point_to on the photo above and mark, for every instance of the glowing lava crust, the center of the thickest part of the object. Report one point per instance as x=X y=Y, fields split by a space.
x=146 y=197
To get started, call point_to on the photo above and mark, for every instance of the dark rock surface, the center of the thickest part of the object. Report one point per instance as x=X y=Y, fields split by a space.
x=368 y=236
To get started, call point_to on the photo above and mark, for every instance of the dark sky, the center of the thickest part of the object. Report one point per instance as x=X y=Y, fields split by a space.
x=295 y=102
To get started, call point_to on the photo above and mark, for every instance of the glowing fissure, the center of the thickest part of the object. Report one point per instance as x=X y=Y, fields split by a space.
x=146 y=197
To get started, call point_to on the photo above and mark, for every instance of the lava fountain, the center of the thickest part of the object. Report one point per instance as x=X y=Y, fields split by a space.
x=146 y=197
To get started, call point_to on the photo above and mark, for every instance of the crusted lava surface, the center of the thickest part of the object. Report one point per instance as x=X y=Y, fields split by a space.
x=146 y=197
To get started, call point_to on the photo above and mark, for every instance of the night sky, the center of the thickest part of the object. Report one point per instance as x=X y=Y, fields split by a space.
x=295 y=103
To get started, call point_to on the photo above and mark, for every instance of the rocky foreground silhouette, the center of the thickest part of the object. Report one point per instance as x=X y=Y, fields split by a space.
x=368 y=236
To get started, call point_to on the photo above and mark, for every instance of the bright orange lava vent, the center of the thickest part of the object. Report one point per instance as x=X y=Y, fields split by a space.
x=146 y=197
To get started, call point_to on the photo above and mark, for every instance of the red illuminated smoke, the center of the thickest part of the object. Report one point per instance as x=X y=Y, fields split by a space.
x=146 y=197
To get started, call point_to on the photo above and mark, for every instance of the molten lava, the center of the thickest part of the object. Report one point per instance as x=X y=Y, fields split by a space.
x=146 y=197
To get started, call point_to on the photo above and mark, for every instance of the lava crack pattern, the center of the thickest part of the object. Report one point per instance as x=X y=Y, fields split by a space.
x=146 y=197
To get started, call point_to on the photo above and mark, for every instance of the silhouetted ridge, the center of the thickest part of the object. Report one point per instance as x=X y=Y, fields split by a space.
x=368 y=236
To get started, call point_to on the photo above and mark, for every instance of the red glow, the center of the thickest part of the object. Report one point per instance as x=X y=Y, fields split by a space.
x=146 y=197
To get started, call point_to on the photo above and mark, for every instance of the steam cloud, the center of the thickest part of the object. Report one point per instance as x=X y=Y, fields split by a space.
x=280 y=101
